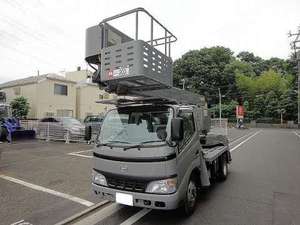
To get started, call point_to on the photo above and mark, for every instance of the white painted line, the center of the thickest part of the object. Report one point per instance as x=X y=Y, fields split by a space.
x=80 y=155
x=236 y=140
x=21 y=222
x=17 y=222
x=49 y=191
x=296 y=134
x=101 y=215
x=90 y=150
x=131 y=220
x=243 y=142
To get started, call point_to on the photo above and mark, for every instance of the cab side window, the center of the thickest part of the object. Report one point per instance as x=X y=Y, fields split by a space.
x=188 y=126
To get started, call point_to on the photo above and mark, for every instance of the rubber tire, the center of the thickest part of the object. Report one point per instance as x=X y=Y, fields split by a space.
x=187 y=208
x=3 y=134
x=223 y=168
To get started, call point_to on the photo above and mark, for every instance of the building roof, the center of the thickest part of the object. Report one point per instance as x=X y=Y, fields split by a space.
x=35 y=79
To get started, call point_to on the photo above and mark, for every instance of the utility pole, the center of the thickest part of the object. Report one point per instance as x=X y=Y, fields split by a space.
x=220 y=106
x=296 y=46
x=183 y=84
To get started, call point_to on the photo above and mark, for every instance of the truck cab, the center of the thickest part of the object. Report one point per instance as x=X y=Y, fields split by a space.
x=150 y=155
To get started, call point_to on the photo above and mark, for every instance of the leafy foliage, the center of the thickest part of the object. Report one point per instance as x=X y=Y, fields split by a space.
x=267 y=87
x=204 y=70
x=20 y=107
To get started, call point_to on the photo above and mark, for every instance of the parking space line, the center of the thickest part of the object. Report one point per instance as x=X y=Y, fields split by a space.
x=80 y=155
x=47 y=190
x=243 y=142
x=21 y=222
x=100 y=215
x=131 y=220
x=296 y=134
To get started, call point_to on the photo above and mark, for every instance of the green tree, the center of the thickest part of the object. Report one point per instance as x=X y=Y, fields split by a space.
x=237 y=66
x=20 y=107
x=204 y=71
x=272 y=81
x=288 y=102
x=256 y=62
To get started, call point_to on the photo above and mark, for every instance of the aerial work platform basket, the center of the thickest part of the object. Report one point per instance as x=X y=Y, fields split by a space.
x=125 y=63
x=130 y=66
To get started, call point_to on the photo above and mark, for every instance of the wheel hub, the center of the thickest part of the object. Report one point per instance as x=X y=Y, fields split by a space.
x=192 y=194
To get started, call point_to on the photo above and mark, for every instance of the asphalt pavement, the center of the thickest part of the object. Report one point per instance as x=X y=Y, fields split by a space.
x=263 y=186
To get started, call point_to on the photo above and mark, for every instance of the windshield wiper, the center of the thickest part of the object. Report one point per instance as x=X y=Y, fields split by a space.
x=138 y=146
x=102 y=144
x=111 y=142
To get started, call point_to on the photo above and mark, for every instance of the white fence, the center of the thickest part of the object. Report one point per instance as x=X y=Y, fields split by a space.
x=53 y=131
x=219 y=126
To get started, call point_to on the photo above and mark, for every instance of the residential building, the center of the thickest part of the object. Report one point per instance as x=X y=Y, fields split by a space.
x=48 y=95
x=53 y=95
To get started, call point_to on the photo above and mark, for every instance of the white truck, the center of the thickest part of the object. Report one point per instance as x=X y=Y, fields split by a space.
x=154 y=149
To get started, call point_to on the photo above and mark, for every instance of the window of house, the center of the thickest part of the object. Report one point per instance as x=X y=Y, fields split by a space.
x=49 y=114
x=64 y=113
x=188 y=126
x=105 y=96
x=60 y=89
x=17 y=90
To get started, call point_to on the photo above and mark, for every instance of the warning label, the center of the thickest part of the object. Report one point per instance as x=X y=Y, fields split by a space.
x=121 y=71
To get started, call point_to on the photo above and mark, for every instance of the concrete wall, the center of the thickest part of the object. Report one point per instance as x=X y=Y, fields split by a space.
x=267 y=125
x=87 y=95
x=78 y=76
x=48 y=102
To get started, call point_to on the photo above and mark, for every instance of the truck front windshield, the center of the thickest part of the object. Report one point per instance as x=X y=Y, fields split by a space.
x=136 y=125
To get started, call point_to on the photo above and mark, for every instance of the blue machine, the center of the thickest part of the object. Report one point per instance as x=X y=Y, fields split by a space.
x=10 y=128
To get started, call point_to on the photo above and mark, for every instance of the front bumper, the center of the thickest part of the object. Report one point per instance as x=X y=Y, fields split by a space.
x=146 y=200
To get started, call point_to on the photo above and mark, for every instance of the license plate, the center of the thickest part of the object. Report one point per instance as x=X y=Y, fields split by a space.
x=124 y=199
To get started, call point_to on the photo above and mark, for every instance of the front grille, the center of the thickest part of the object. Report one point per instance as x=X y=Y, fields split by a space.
x=125 y=184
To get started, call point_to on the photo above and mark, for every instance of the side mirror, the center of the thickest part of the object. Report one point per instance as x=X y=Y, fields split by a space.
x=176 y=129
x=88 y=133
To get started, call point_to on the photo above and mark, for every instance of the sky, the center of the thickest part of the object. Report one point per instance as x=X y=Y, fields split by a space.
x=49 y=35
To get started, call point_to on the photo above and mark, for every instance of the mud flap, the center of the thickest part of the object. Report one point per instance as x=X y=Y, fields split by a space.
x=203 y=172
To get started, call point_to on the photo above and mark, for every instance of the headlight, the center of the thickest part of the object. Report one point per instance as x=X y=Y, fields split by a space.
x=166 y=186
x=98 y=178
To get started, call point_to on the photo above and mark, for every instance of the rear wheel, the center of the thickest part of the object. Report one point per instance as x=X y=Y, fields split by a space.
x=190 y=197
x=223 y=168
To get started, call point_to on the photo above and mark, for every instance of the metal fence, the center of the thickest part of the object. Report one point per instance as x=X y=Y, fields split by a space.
x=219 y=126
x=53 y=131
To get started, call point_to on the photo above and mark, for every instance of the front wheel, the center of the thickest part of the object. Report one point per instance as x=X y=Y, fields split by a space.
x=190 y=197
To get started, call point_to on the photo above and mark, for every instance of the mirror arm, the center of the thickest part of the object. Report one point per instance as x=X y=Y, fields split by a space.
x=171 y=143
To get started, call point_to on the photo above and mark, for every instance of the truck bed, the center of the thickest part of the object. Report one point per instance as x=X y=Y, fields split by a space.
x=210 y=154
x=215 y=145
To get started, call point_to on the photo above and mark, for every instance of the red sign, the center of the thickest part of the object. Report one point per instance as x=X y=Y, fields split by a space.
x=240 y=112
x=110 y=74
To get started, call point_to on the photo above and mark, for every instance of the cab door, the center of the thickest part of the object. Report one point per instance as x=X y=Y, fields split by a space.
x=188 y=149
